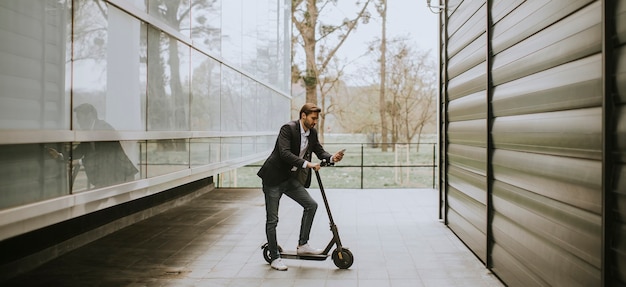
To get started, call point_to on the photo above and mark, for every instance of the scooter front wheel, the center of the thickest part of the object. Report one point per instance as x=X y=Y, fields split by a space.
x=266 y=252
x=343 y=259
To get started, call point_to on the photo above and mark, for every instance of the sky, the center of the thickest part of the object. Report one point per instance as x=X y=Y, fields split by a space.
x=410 y=18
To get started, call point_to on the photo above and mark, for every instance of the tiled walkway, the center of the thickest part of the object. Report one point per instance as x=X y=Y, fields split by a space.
x=395 y=237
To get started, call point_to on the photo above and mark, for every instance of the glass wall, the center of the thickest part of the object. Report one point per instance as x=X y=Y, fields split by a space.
x=100 y=94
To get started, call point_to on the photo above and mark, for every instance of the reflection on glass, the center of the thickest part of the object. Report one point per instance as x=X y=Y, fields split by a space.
x=232 y=31
x=231 y=148
x=205 y=151
x=231 y=100
x=168 y=82
x=206 y=27
x=279 y=103
x=32 y=65
x=166 y=156
x=248 y=146
x=252 y=20
x=248 y=104
x=265 y=143
x=283 y=46
x=262 y=103
x=105 y=163
x=90 y=52
x=141 y=4
x=107 y=63
x=175 y=13
x=30 y=173
x=205 y=93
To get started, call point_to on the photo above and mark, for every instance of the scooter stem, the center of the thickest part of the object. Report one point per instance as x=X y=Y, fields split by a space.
x=319 y=182
x=333 y=227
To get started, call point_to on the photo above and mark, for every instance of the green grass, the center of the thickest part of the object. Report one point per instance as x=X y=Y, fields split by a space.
x=363 y=166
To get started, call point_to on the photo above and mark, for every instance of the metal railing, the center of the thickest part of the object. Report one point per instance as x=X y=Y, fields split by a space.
x=364 y=166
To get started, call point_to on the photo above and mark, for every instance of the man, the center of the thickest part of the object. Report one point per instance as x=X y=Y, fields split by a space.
x=286 y=171
x=105 y=162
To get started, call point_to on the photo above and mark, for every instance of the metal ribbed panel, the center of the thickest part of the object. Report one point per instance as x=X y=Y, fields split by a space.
x=466 y=135
x=531 y=17
x=616 y=206
x=547 y=134
x=574 y=37
x=525 y=139
x=574 y=133
x=569 y=86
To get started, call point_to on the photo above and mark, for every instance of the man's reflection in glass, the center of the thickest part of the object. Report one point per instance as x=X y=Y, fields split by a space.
x=105 y=162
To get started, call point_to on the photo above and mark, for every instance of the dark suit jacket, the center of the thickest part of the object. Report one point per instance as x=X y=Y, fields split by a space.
x=105 y=162
x=278 y=166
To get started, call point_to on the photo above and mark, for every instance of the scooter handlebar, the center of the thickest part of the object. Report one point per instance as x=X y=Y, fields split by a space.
x=325 y=163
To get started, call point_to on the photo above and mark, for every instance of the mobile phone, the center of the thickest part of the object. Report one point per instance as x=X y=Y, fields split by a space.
x=342 y=151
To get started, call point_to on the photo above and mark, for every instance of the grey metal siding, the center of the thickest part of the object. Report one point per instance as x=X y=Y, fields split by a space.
x=524 y=137
x=616 y=201
x=466 y=211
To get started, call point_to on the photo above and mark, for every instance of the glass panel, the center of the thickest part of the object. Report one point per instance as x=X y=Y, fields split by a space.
x=100 y=164
x=249 y=35
x=283 y=36
x=266 y=143
x=248 y=146
x=143 y=74
x=168 y=82
x=107 y=66
x=125 y=98
x=262 y=103
x=141 y=4
x=166 y=156
x=281 y=108
x=264 y=20
x=232 y=31
x=231 y=100
x=242 y=177
x=174 y=13
x=205 y=92
x=249 y=110
x=205 y=151
x=90 y=57
x=231 y=148
x=206 y=25
x=32 y=172
x=33 y=63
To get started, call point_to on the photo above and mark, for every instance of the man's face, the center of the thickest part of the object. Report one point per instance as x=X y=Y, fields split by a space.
x=84 y=121
x=309 y=121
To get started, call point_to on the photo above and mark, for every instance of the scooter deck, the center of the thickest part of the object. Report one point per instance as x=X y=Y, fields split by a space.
x=293 y=255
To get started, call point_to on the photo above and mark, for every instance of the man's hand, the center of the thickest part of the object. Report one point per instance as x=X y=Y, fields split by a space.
x=314 y=166
x=338 y=156
x=54 y=154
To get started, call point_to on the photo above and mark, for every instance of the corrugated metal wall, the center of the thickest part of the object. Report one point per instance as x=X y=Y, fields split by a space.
x=524 y=99
x=466 y=115
x=615 y=202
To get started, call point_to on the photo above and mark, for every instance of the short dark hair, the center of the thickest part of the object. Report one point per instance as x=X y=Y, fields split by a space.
x=309 y=108
x=86 y=109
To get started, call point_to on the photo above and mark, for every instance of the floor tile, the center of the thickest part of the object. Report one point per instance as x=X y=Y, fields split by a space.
x=394 y=235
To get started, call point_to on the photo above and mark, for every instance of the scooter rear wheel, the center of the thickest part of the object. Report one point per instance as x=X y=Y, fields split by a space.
x=343 y=259
x=266 y=252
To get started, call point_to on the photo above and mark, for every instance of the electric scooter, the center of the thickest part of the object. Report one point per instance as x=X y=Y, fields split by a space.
x=342 y=257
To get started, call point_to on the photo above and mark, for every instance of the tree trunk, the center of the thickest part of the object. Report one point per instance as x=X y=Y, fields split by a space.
x=308 y=35
x=383 y=72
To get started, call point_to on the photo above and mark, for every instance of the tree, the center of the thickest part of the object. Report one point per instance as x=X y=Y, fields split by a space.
x=410 y=94
x=412 y=90
x=382 y=10
x=311 y=33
